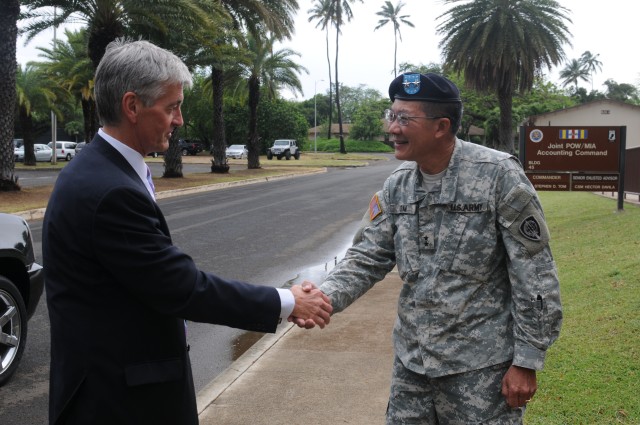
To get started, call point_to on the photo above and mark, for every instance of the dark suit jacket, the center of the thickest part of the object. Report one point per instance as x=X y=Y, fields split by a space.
x=117 y=293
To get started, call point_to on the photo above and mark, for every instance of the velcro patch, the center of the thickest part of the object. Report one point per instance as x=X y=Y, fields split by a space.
x=530 y=229
x=374 y=207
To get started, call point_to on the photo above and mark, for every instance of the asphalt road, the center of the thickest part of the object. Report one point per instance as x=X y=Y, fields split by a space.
x=44 y=176
x=272 y=233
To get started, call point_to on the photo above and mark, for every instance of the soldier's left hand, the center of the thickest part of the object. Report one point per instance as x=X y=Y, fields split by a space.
x=519 y=385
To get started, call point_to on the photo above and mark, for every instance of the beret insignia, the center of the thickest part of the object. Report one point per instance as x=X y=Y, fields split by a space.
x=411 y=83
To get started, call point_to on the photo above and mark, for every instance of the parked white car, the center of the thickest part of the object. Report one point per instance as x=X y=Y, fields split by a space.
x=64 y=150
x=237 y=151
x=42 y=152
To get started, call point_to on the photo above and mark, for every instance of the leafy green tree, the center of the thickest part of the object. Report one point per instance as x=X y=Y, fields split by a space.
x=420 y=68
x=622 y=92
x=342 y=14
x=323 y=11
x=68 y=65
x=543 y=97
x=107 y=20
x=367 y=122
x=165 y=23
x=9 y=12
x=254 y=17
x=196 y=109
x=389 y=13
x=315 y=111
x=501 y=45
x=277 y=119
x=272 y=70
x=36 y=96
x=572 y=72
x=353 y=97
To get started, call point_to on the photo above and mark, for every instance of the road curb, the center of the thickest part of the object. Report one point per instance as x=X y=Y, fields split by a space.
x=37 y=214
x=207 y=395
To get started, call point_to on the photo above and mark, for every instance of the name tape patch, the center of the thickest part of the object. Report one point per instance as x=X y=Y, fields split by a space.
x=471 y=207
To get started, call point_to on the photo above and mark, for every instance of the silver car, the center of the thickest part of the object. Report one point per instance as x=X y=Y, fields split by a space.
x=42 y=152
x=237 y=151
x=64 y=150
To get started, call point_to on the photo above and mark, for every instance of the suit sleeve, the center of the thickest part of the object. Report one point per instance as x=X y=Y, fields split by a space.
x=131 y=240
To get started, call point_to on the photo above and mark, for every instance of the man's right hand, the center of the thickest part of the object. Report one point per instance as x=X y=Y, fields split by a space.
x=312 y=306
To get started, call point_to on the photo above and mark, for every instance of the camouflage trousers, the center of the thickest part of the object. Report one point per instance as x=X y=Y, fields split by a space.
x=463 y=399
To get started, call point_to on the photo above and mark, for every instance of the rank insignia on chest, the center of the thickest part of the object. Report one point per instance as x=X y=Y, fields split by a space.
x=374 y=207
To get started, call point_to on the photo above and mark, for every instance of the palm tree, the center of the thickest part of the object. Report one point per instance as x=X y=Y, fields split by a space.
x=501 y=45
x=591 y=64
x=69 y=66
x=108 y=20
x=9 y=12
x=254 y=17
x=35 y=93
x=323 y=12
x=389 y=13
x=342 y=14
x=574 y=71
x=271 y=70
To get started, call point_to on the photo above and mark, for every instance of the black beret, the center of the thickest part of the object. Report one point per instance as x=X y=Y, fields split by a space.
x=424 y=87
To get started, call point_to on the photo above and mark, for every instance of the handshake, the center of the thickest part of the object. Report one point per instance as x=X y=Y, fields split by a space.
x=312 y=306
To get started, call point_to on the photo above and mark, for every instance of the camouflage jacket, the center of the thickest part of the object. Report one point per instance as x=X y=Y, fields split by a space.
x=480 y=283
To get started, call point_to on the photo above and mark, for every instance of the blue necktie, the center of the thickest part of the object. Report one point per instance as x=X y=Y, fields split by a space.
x=150 y=180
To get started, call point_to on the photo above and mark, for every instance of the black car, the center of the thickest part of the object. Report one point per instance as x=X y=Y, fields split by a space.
x=21 y=285
x=189 y=147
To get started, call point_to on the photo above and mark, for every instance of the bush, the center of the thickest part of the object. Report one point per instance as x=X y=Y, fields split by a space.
x=333 y=145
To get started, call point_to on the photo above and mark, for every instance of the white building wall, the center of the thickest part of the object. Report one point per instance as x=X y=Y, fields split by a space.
x=598 y=113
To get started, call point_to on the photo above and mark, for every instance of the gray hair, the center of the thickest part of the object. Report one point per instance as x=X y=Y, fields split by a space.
x=451 y=110
x=135 y=66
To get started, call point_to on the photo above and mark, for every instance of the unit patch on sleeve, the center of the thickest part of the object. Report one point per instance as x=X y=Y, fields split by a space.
x=374 y=207
x=530 y=229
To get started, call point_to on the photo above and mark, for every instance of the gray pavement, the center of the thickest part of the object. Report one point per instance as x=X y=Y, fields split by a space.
x=336 y=375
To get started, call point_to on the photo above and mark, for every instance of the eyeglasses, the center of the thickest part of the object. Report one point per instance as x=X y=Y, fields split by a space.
x=403 y=119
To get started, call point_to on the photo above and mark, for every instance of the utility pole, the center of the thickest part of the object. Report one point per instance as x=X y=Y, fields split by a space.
x=54 y=119
x=315 y=114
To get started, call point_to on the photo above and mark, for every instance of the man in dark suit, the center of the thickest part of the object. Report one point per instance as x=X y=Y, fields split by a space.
x=118 y=291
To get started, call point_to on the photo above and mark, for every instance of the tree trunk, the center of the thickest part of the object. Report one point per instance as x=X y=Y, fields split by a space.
x=9 y=11
x=90 y=118
x=253 y=157
x=218 y=143
x=505 y=134
x=330 y=87
x=173 y=158
x=342 y=147
x=395 y=54
x=26 y=125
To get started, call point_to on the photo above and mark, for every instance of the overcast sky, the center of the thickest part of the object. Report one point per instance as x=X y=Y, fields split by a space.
x=608 y=29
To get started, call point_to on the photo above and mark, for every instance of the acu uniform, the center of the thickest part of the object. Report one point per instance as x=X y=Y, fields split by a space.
x=480 y=285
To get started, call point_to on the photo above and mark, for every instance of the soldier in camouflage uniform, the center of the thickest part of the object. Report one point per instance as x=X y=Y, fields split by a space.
x=480 y=303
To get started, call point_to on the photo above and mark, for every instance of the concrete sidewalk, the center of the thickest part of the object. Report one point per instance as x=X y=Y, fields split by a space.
x=337 y=375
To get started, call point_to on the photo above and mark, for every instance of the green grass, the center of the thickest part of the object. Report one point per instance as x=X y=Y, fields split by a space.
x=592 y=372
x=333 y=145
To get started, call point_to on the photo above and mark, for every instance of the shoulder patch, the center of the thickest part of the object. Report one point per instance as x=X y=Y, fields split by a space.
x=374 y=207
x=530 y=229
